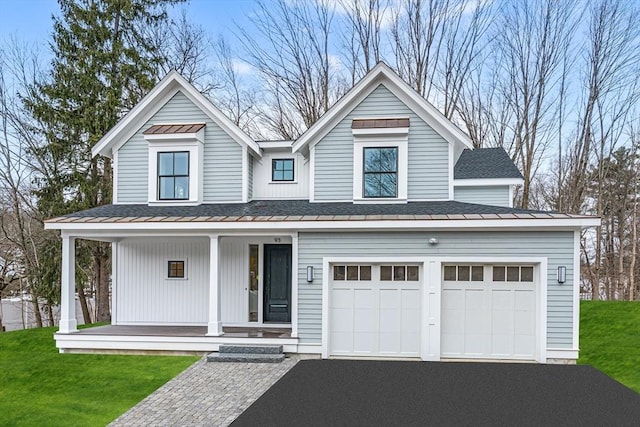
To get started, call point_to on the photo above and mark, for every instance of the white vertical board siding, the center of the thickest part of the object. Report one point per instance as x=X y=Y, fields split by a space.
x=264 y=189
x=222 y=156
x=428 y=153
x=497 y=195
x=556 y=245
x=146 y=296
x=234 y=278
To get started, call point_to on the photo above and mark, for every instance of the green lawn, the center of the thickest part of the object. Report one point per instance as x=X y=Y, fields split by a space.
x=39 y=386
x=610 y=339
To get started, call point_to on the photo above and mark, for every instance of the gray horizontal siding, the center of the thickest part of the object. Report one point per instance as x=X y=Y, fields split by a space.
x=556 y=246
x=497 y=195
x=428 y=172
x=222 y=156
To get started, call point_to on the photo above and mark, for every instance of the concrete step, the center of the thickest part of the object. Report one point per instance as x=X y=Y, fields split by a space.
x=251 y=349
x=245 y=357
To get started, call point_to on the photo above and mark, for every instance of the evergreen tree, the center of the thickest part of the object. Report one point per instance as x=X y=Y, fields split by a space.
x=102 y=66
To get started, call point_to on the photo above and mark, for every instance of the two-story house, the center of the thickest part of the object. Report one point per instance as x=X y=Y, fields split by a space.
x=379 y=232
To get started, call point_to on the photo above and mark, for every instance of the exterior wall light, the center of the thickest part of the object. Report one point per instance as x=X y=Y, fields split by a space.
x=562 y=274
x=433 y=241
x=310 y=273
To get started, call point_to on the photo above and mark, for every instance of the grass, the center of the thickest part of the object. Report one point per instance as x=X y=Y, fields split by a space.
x=39 y=386
x=610 y=339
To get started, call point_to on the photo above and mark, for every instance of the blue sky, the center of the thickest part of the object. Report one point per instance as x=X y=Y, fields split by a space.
x=30 y=20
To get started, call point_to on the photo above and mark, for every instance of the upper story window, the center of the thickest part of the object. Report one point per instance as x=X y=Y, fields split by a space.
x=380 y=172
x=282 y=170
x=173 y=176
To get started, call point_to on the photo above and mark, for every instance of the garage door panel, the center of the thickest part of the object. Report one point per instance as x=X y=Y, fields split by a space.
x=363 y=298
x=342 y=342
x=342 y=298
x=487 y=318
x=389 y=342
x=341 y=320
x=411 y=299
x=389 y=298
x=364 y=342
x=364 y=320
x=389 y=321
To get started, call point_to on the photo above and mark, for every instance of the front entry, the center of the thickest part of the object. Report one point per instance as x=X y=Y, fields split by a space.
x=277 y=283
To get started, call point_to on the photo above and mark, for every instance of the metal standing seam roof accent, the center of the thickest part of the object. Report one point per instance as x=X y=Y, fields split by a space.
x=380 y=123
x=177 y=128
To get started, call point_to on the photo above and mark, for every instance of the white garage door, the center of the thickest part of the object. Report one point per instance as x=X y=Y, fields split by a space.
x=375 y=310
x=489 y=311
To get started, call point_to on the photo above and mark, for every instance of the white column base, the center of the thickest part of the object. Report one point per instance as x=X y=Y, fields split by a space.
x=68 y=326
x=214 y=329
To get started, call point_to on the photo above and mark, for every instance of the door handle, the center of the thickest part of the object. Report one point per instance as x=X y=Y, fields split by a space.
x=278 y=305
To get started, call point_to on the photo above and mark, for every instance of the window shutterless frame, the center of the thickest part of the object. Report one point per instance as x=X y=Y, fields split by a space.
x=378 y=172
x=280 y=168
x=172 y=175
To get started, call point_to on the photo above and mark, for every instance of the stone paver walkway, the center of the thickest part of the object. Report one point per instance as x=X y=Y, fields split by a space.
x=206 y=394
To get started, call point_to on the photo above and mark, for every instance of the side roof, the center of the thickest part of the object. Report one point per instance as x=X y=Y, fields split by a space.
x=485 y=163
x=382 y=73
x=153 y=101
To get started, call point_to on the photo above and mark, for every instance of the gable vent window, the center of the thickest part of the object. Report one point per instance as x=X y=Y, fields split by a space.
x=173 y=176
x=282 y=170
x=380 y=172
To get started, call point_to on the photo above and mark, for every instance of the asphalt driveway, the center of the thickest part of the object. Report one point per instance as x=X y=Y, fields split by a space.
x=350 y=392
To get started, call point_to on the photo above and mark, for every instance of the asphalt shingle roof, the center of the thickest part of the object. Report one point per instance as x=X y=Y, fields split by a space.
x=483 y=163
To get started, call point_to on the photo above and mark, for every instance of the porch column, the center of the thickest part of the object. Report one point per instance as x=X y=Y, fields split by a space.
x=214 y=327
x=68 y=321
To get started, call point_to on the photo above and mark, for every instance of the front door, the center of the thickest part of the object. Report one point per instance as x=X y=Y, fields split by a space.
x=277 y=283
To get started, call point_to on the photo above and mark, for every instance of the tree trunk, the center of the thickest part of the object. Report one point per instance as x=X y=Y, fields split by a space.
x=86 y=315
x=50 y=314
x=101 y=269
x=36 y=310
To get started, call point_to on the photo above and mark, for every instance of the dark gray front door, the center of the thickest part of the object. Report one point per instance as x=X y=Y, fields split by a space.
x=277 y=283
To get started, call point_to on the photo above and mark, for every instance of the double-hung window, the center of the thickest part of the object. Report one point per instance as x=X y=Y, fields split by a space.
x=282 y=170
x=173 y=175
x=380 y=171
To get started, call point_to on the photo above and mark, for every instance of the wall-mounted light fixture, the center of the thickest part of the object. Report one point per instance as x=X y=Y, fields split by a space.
x=277 y=239
x=562 y=274
x=433 y=241
x=310 y=273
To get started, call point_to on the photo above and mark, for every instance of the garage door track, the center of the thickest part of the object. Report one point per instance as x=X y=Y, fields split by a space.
x=350 y=392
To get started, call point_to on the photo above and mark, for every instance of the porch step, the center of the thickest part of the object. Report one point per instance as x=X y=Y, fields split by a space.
x=245 y=357
x=248 y=354
x=251 y=349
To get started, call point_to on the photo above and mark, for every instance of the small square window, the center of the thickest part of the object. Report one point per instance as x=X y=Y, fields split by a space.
x=413 y=273
x=463 y=273
x=338 y=272
x=477 y=273
x=385 y=272
x=499 y=274
x=526 y=274
x=450 y=272
x=365 y=272
x=176 y=270
x=398 y=273
x=282 y=170
x=513 y=274
x=352 y=272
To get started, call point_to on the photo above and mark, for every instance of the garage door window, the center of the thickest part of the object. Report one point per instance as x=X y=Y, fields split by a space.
x=463 y=273
x=400 y=273
x=352 y=272
x=513 y=273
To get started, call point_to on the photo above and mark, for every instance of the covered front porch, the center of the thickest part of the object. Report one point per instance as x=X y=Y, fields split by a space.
x=188 y=292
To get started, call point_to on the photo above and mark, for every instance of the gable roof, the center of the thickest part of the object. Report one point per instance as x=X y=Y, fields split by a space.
x=485 y=163
x=382 y=73
x=172 y=83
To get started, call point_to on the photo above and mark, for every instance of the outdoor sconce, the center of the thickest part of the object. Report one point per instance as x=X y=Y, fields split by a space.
x=562 y=274
x=310 y=273
x=433 y=241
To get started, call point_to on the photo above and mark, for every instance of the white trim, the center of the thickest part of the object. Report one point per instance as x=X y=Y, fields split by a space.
x=114 y=283
x=401 y=142
x=195 y=148
x=68 y=322
x=294 y=285
x=451 y=165
x=114 y=171
x=576 y=289
x=376 y=225
x=275 y=144
x=380 y=131
x=487 y=182
x=169 y=85
x=381 y=73
x=312 y=174
x=562 y=353
x=511 y=189
x=310 y=348
x=175 y=137
x=245 y=175
x=214 y=326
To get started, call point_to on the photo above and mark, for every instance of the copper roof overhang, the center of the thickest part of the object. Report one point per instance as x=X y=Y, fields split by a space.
x=171 y=129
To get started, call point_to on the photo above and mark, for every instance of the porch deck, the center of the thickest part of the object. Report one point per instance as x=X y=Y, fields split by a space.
x=168 y=339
